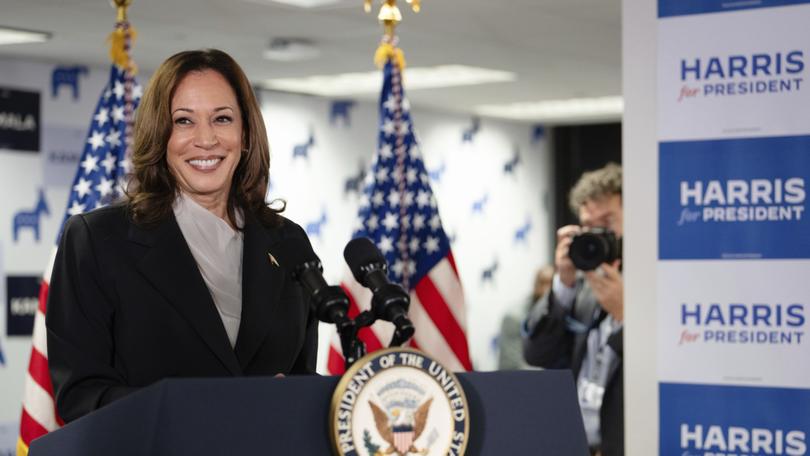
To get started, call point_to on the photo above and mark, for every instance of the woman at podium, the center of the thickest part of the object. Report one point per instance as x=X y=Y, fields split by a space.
x=180 y=279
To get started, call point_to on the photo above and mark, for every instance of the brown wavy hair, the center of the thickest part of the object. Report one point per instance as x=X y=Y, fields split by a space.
x=153 y=188
x=594 y=185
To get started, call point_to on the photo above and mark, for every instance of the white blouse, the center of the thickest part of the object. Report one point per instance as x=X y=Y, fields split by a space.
x=217 y=249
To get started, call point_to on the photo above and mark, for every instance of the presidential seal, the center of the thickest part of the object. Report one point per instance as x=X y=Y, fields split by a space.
x=399 y=402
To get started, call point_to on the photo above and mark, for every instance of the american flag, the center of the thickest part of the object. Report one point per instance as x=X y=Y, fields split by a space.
x=102 y=173
x=399 y=213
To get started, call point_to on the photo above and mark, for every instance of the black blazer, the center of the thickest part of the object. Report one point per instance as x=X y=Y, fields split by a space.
x=128 y=306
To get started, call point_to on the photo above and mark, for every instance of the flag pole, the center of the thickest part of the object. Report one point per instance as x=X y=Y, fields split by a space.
x=120 y=45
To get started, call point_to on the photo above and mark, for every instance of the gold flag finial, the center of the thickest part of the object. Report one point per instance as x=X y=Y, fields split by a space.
x=121 y=38
x=390 y=16
x=121 y=8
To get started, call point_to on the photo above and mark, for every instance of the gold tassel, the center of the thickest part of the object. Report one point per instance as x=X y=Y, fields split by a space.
x=118 y=53
x=387 y=51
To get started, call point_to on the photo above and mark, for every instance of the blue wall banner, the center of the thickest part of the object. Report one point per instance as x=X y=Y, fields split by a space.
x=734 y=198
x=23 y=300
x=669 y=8
x=729 y=420
x=19 y=120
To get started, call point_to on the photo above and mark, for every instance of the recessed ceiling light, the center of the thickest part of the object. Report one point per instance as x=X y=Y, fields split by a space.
x=291 y=50
x=10 y=35
x=371 y=82
x=600 y=108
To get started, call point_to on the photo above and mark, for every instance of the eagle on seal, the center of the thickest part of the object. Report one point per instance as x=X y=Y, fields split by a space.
x=403 y=431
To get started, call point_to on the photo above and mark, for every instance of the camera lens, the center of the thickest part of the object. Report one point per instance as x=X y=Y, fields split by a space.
x=590 y=249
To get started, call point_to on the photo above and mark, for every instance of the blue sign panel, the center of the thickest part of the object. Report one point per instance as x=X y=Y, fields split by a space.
x=734 y=199
x=733 y=420
x=669 y=8
x=23 y=301
x=19 y=120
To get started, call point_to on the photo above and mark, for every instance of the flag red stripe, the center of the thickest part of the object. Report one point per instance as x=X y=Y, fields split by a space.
x=436 y=308
x=335 y=363
x=43 y=296
x=30 y=429
x=452 y=262
x=368 y=336
x=353 y=308
x=38 y=368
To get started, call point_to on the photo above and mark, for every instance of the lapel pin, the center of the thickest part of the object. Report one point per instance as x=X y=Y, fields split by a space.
x=273 y=259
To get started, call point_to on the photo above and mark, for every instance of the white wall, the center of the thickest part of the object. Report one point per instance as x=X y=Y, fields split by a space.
x=640 y=167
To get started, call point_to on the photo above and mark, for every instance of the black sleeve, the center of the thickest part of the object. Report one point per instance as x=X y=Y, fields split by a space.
x=308 y=357
x=546 y=340
x=80 y=326
x=306 y=363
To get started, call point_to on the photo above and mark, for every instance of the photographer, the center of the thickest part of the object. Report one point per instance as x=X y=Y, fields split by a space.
x=577 y=325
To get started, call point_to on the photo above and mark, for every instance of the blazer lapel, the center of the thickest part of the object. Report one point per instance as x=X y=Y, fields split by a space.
x=171 y=268
x=262 y=280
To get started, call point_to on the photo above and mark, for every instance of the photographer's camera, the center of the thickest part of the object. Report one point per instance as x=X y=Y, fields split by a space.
x=593 y=247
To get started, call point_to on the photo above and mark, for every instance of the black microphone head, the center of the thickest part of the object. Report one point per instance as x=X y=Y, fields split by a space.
x=361 y=252
x=293 y=252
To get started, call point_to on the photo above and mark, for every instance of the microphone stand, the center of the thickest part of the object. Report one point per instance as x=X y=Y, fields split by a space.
x=353 y=348
x=403 y=331
x=331 y=304
x=391 y=302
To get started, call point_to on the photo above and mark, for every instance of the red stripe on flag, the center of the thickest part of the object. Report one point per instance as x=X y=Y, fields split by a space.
x=38 y=368
x=452 y=262
x=370 y=338
x=30 y=429
x=335 y=364
x=43 y=296
x=438 y=311
x=353 y=308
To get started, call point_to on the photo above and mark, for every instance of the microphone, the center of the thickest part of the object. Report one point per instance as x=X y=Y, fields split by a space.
x=330 y=302
x=390 y=301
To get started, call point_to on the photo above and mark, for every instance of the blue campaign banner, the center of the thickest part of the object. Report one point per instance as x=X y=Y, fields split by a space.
x=23 y=301
x=734 y=198
x=670 y=8
x=732 y=420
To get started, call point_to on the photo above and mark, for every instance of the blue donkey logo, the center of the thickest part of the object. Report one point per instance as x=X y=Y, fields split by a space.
x=340 y=109
x=488 y=274
x=30 y=219
x=302 y=150
x=69 y=76
x=468 y=134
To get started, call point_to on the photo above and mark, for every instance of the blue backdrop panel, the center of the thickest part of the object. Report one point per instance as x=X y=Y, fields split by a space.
x=669 y=8
x=745 y=198
x=726 y=420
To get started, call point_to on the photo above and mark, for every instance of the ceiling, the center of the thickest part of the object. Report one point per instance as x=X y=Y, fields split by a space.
x=558 y=49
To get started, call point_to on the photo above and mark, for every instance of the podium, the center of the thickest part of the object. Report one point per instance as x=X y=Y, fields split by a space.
x=511 y=412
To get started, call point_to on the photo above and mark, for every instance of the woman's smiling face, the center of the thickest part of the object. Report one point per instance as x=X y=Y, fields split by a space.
x=206 y=140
